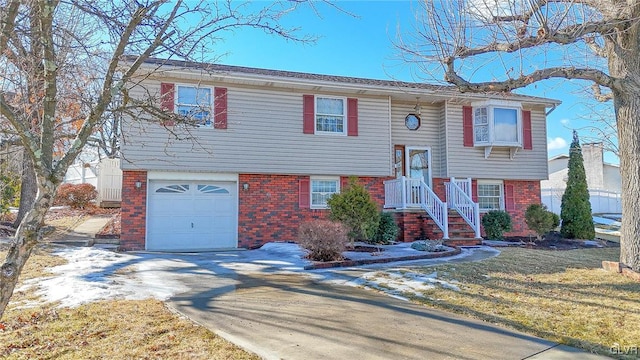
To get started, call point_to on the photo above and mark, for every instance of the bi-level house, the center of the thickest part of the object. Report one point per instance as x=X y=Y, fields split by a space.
x=271 y=146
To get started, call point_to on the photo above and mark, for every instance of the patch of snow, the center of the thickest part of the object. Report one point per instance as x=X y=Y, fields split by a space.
x=400 y=282
x=606 y=221
x=94 y=274
x=592 y=243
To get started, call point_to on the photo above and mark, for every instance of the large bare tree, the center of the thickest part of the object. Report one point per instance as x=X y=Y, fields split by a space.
x=503 y=45
x=62 y=57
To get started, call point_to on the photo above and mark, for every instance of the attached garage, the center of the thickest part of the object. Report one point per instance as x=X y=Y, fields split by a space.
x=192 y=215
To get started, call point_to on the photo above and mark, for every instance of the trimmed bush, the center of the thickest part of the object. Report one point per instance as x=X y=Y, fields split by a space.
x=577 y=220
x=77 y=196
x=387 y=229
x=325 y=240
x=556 y=220
x=354 y=208
x=539 y=219
x=496 y=223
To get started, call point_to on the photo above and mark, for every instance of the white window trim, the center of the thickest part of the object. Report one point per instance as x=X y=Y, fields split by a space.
x=321 y=178
x=492 y=182
x=176 y=104
x=344 y=119
x=490 y=105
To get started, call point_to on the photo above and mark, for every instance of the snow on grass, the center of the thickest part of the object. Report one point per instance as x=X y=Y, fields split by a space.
x=400 y=283
x=93 y=274
x=606 y=221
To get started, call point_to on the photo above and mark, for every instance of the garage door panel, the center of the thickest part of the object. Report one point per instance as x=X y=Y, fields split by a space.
x=166 y=205
x=192 y=215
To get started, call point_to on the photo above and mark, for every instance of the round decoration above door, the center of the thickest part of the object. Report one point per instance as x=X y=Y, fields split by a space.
x=412 y=122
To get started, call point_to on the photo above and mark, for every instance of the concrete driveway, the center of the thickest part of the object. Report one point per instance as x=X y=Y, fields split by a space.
x=291 y=316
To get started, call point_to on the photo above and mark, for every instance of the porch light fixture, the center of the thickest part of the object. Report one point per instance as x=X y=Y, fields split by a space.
x=417 y=108
x=138 y=184
x=245 y=186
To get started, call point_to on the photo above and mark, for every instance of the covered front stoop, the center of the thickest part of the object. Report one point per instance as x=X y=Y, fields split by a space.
x=416 y=224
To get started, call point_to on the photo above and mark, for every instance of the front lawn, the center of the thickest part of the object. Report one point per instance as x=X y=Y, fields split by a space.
x=562 y=296
x=116 y=329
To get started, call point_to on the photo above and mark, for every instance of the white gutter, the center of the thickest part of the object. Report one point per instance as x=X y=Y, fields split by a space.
x=441 y=94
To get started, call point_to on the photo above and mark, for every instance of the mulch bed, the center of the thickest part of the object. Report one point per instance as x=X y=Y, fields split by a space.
x=368 y=249
x=346 y=262
x=112 y=229
x=54 y=214
x=554 y=241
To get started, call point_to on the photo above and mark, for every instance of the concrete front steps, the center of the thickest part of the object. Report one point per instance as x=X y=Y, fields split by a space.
x=86 y=234
x=416 y=224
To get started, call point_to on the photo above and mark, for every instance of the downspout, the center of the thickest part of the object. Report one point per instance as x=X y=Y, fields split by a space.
x=391 y=151
x=446 y=140
x=552 y=108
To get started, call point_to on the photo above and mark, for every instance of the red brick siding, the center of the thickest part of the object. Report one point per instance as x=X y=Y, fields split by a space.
x=415 y=225
x=269 y=210
x=412 y=227
x=134 y=210
x=526 y=193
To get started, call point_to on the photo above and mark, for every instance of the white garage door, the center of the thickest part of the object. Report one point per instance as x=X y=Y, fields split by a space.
x=190 y=216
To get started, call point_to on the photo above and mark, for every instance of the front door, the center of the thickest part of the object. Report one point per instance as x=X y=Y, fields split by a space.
x=418 y=163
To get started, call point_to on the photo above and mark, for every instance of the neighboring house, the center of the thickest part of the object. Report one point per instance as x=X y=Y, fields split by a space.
x=272 y=146
x=603 y=180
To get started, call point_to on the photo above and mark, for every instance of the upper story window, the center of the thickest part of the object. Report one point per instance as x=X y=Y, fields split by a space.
x=330 y=115
x=195 y=103
x=497 y=123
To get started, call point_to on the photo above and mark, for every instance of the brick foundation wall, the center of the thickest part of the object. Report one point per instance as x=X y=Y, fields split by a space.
x=527 y=193
x=269 y=210
x=414 y=226
x=134 y=210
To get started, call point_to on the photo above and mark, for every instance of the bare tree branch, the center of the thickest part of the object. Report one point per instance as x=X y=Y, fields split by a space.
x=596 y=76
x=598 y=95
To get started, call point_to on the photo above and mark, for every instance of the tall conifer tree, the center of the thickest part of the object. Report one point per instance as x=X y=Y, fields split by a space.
x=577 y=221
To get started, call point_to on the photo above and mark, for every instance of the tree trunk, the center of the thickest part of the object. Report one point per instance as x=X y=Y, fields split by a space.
x=627 y=108
x=28 y=189
x=27 y=237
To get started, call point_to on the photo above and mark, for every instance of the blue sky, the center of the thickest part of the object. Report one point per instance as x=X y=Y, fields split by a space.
x=362 y=46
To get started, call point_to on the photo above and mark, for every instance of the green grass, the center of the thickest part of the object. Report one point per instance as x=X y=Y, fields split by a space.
x=563 y=296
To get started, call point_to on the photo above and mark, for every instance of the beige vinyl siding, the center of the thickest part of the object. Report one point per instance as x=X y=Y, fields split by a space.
x=428 y=134
x=264 y=135
x=470 y=161
x=444 y=169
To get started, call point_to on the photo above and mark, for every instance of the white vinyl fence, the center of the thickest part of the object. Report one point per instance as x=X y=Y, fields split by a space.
x=109 y=181
x=105 y=175
x=82 y=174
x=602 y=201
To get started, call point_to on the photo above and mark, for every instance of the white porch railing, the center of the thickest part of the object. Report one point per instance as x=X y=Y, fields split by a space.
x=459 y=199
x=404 y=192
